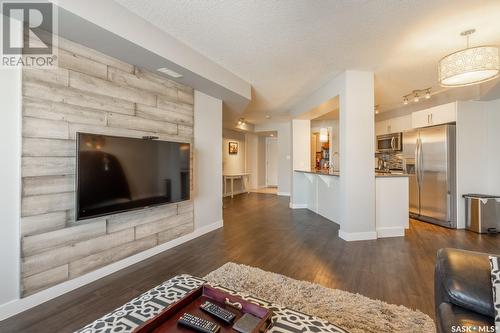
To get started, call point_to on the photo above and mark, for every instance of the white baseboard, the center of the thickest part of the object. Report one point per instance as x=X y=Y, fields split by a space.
x=297 y=206
x=16 y=306
x=390 y=232
x=357 y=236
x=285 y=194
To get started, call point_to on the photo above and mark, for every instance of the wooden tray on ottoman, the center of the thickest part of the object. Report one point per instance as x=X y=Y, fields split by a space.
x=166 y=321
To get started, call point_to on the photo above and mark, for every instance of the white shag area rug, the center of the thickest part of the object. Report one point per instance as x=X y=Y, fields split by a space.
x=354 y=312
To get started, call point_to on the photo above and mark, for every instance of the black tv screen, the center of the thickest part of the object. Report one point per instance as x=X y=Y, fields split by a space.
x=116 y=174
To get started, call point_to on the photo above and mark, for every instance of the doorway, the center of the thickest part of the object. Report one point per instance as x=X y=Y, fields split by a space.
x=271 y=162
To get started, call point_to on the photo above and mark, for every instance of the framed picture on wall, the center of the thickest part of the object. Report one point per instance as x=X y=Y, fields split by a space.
x=233 y=147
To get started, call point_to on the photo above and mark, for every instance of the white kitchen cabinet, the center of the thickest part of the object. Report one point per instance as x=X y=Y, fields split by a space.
x=441 y=114
x=393 y=125
x=400 y=124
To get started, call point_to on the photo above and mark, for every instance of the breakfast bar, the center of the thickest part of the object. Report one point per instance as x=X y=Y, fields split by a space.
x=320 y=192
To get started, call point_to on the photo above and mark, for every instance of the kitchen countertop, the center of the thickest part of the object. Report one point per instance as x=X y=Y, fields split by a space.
x=321 y=172
x=382 y=174
x=337 y=174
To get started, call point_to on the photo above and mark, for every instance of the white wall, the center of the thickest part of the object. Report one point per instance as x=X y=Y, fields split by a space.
x=208 y=160
x=478 y=152
x=284 y=159
x=252 y=159
x=301 y=157
x=471 y=149
x=493 y=126
x=301 y=144
x=284 y=154
x=10 y=183
x=233 y=163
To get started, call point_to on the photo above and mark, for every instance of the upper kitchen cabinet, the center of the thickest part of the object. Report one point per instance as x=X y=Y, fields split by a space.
x=441 y=114
x=393 y=125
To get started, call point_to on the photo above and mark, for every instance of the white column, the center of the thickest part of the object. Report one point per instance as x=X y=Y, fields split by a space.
x=357 y=177
x=10 y=183
x=301 y=155
x=207 y=161
x=301 y=136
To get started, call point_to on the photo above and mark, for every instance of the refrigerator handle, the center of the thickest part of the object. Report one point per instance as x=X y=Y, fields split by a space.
x=420 y=162
x=417 y=168
x=448 y=206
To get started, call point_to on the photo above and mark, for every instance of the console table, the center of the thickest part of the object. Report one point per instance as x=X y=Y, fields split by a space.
x=231 y=177
x=144 y=307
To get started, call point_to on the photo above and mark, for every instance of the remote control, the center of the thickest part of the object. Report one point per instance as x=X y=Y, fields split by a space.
x=198 y=324
x=218 y=312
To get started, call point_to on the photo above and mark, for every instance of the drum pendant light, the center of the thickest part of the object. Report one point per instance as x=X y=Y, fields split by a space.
x=469 y=66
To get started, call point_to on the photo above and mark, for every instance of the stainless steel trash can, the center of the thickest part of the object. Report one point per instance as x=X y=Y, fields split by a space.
x=482 y=213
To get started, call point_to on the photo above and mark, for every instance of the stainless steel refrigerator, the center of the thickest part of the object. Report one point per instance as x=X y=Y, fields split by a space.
x=430 y=157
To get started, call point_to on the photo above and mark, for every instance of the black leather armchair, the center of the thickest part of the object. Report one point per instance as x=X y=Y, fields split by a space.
x=463 y=292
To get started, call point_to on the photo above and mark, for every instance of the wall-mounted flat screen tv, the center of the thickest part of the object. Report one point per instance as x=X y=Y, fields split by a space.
x=116 y=174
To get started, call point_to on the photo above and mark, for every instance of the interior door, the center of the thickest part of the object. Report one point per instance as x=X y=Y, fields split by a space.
x=409 y=155
x=271 y=162
x=434 y=180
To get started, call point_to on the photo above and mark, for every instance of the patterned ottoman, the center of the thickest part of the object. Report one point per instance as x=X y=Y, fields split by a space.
x=129 y=316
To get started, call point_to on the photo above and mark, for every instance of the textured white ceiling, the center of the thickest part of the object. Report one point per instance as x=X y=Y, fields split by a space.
x=288 y=48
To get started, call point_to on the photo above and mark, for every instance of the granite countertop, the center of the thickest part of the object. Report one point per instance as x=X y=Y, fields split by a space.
x=321 y=172
x=337 y=173
x=382 y=174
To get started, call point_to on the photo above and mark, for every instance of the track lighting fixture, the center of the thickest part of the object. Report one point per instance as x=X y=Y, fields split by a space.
x=415 y=95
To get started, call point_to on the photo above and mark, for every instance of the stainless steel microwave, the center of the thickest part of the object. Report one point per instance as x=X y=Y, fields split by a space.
x=388 y=143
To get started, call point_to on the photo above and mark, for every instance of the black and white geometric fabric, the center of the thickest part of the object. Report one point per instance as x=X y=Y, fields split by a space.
x=144 y=307
x=132 y=314
x=495 y=282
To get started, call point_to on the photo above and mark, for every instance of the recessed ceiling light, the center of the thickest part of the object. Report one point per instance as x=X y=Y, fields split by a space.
x=271 y=134
x=169 y=72
x=268 y=116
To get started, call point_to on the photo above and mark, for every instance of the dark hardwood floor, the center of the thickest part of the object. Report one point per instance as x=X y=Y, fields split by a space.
x=260 y=230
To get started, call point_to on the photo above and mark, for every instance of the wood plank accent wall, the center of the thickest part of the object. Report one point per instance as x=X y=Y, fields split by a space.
x=94 y=93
